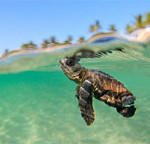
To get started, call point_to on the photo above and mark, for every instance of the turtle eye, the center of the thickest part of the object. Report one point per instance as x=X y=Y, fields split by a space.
x=70 y=62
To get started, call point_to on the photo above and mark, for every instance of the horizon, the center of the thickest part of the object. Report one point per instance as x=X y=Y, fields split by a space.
x=35 y=21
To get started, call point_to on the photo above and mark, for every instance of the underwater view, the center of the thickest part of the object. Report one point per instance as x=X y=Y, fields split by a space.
x=38 y=103
x=74 y=72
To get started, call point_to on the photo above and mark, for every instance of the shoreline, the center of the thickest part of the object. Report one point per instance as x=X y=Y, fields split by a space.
x=33 y=51
x=141 y=35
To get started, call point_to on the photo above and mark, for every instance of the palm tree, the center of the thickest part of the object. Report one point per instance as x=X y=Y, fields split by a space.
x=129 y=29
x=112 y=28
x=139 y=21
x=6 y=51
x=45 y=44
x=92 y=28
x=31 y=45
x=148 y=18
x=81 y=40
x=53 y=40
x=24 y=46
x=69 y=39
x=97 y=25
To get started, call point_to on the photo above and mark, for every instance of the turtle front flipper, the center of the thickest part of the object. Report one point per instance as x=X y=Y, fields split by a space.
x=86 y=102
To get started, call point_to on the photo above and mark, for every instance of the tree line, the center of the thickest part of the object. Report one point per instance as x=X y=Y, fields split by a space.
x=140 y=21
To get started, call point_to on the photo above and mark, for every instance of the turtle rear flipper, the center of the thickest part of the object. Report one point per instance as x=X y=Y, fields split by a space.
x=127 y=100
x=126 y=111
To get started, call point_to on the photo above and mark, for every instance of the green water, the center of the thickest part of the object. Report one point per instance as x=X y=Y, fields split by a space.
x=38 y=104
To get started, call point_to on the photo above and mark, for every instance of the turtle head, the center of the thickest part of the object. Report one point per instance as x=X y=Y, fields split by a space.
x=71 y=67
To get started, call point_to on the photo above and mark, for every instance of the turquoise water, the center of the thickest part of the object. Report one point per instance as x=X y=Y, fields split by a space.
x=38 y=104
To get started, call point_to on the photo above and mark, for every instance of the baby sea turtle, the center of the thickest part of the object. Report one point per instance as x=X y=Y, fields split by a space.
x=97 y=84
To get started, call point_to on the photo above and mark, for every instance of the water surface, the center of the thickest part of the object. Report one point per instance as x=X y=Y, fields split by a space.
x=38 y=103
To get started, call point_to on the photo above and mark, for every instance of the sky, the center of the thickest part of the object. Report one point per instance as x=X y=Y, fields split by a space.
x=24 y=21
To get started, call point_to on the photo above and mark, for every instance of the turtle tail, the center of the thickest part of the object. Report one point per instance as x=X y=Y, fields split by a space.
x=126 y=111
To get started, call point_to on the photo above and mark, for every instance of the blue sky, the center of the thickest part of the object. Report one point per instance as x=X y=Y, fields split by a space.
x=23 y=21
